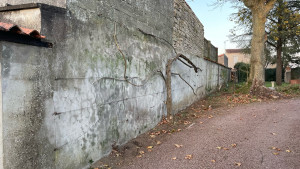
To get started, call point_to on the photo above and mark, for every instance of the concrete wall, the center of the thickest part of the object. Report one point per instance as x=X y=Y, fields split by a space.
x=27 y=106
x=1 y=114
x=210 y=51
x=66 y=105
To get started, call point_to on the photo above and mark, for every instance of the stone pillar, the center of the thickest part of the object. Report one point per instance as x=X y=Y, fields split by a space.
x=287 y=75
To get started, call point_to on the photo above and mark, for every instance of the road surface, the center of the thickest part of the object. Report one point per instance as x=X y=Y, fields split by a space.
x=257 y=135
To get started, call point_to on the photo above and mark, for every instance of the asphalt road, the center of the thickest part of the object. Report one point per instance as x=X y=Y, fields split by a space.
x=258 y=135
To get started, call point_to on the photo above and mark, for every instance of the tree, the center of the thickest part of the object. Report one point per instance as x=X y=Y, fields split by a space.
x=282 y=28
x=243 y=70
x=259 y=10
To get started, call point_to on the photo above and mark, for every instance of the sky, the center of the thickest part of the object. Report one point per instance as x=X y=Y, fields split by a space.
x=215 y=21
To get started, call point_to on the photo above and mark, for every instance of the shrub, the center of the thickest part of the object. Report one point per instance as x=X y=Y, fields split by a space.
x=243 y=71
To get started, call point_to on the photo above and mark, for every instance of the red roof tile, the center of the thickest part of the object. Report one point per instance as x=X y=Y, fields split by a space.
x=20 y=30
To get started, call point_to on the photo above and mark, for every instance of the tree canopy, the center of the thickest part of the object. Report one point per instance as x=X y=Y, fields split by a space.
x=282 y=30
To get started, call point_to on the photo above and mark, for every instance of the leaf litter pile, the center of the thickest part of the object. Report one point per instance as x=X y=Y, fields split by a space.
x=150 y=141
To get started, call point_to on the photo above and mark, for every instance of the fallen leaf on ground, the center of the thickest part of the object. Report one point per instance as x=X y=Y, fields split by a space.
x=142 y=152
x=225 y=148
x=275 y=153
x=188 y=157
x=201 y=122
x=158 y=142
x=157 y=133
x=210 y=116
x=288 y=151
x=139 y=156
x=152 y=136
x=149 y=147
x=186 y=122
x=178 y=130
x=233 y=145
x=273 y=148
x=219 y=148
x=273 y=133
x=213 y=161
x=174 y=158
x=238 y=164
x=178 y=146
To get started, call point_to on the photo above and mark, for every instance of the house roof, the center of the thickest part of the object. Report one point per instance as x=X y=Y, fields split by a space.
x=7 y=27
x=221 y=55
x=234 y=50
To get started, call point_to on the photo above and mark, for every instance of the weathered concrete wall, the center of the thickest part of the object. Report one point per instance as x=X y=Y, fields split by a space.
x=210 y=51
x=67 y=105
x=58 y=3
x=27 y=106
x=151 y=16
x=188 y=36
x=1 y=114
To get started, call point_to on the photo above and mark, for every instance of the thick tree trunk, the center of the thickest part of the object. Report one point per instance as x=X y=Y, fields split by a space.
x=260 y=10
x=257 y=73
x=279 y=49
x=279 y=63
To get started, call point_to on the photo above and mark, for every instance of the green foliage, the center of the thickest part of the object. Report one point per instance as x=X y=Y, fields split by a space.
x=243 y=70
x=243 y=88
x=270 y=74
x=296 y=73
x=282 y=28
x=289 y=89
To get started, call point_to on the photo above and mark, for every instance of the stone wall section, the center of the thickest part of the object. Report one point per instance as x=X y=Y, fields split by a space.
x=188 y=33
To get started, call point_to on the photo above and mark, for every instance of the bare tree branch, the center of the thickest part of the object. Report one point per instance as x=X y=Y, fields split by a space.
x=185 y=81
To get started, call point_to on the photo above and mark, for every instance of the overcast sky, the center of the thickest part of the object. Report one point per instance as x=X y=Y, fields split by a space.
x=215 y=21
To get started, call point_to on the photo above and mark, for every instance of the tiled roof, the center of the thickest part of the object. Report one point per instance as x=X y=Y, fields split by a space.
x=7 y=27
x=234 y=50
